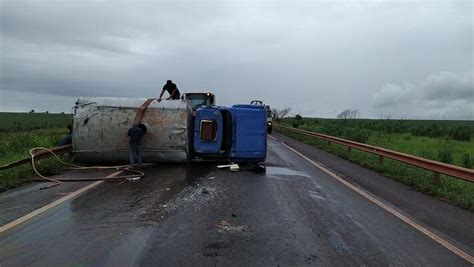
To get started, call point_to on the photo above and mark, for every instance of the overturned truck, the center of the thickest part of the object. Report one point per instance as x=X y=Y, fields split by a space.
x=175 y=133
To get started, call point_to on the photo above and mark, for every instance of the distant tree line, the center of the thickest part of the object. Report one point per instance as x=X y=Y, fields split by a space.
x=348 y=125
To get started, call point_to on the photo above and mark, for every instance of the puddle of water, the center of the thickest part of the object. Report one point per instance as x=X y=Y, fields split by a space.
x=284 y=171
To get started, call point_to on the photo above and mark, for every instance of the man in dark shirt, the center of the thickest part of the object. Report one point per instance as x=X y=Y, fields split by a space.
x=172 y=90
x=135 y=135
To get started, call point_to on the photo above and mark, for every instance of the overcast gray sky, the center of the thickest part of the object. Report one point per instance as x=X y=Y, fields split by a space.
x=400 y=58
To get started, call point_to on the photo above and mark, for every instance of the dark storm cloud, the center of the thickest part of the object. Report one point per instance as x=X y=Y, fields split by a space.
x=317 y=57
x=443 y=87
x=449 y=86
x=444 y=94
x=68 y=25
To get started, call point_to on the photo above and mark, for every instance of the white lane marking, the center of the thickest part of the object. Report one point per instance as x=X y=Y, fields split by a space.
x=36 y=212
x=394 y=212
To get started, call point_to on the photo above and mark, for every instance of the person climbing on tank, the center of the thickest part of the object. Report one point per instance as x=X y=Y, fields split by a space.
x=172 y=90
x=135 y=135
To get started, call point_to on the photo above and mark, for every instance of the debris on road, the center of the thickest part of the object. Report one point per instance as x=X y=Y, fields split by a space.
x=252 y=166
x=212 y=178
x=134 y=178
x=226 y=226
x=232 y=167
x=195 y=196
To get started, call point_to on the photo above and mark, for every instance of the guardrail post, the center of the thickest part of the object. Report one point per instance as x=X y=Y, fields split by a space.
x=436 y=178
x=349 y=149
x=381 y=159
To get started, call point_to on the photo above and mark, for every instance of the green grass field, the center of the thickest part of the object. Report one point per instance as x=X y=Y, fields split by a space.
x=443 y=148
x=19 y=132
x=18 y=122
x=457 y=130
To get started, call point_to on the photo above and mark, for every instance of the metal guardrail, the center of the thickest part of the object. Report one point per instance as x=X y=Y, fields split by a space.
x=431 y=165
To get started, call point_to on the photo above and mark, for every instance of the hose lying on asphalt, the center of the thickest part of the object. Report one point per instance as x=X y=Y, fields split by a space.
x=78 y=167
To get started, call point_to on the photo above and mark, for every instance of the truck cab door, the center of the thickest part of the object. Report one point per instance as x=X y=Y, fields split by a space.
x=208 y=131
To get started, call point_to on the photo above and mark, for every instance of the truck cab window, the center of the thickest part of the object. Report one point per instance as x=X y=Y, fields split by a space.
x=208 y=131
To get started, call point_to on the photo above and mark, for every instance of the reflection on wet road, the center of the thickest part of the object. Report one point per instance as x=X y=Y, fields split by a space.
x=114 y=219
x=284 y=171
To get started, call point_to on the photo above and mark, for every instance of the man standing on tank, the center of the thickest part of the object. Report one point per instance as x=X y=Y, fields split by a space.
x=172 y=90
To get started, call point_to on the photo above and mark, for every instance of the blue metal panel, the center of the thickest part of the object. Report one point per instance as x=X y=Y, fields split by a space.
x=250 y=136
x=208 y=147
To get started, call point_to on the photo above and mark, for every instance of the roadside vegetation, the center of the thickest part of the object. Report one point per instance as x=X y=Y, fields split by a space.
x=18 y=122
x=19 y=132
x=446 y=141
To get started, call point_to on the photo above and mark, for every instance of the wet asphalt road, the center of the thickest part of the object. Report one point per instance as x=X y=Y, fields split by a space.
x=294 y=214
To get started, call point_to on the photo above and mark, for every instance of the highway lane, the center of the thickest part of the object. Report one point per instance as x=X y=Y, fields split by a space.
x=294 y=214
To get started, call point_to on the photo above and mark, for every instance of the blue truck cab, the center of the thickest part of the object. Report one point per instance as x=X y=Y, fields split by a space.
x=237 y=133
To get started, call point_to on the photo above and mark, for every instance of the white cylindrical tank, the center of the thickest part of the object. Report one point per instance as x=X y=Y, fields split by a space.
x=101 y=125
